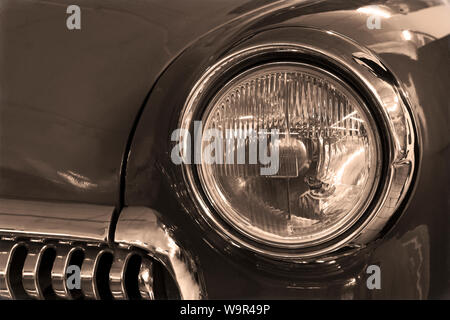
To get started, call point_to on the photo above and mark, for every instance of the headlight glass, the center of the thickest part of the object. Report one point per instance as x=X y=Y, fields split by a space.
x=326 y=154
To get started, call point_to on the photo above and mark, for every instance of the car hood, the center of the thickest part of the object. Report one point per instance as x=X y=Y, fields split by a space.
x=69 y=98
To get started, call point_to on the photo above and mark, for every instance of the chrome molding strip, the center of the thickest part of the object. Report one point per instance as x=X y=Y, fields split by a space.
x=390 y=102
x=55 y=220
x=141 y=228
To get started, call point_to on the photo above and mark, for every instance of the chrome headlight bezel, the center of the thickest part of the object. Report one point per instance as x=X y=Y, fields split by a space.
x=369 y=77
x=350 y=217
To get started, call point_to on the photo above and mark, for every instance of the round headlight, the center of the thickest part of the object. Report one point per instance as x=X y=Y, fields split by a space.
x=295 y=154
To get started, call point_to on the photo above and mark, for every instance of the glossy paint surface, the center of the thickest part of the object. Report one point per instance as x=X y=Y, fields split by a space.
x=68 y=103
x=69 y=99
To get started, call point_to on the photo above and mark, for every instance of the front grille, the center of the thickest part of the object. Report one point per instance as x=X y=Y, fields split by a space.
x=38 y=269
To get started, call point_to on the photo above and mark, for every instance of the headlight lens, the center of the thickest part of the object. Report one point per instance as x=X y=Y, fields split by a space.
x=328 y=152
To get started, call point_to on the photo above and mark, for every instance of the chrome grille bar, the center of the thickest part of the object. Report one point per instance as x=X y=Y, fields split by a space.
x=64 y=258
x=34 y=279
x=6 y=252
x=145 y=280
x=106 y=272
x=118 y=274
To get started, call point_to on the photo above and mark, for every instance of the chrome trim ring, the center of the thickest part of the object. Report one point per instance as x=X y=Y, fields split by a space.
x=387 y=99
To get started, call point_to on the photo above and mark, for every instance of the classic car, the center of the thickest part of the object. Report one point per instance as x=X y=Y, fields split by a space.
x=121 y=124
